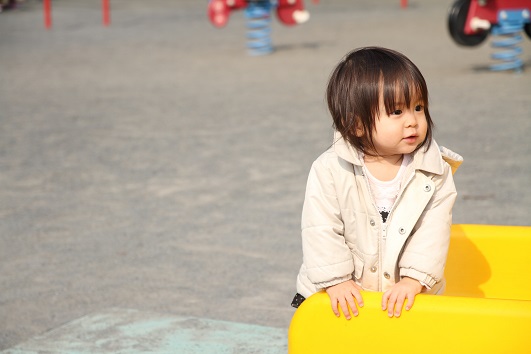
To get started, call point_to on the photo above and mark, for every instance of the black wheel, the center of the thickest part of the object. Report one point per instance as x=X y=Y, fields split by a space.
x=527 y=29
x=456 y=25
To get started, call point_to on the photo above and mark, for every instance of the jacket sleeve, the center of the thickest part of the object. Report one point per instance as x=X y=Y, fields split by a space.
x=327 y=258
x=425 y=253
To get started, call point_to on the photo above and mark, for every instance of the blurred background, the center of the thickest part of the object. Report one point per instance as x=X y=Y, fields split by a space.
x=154 y=165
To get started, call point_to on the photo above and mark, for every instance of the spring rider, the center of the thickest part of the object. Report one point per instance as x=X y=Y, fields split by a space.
x=258 y=17
x=471 y=21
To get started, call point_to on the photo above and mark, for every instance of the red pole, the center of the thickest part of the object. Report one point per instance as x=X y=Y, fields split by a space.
x=47 y=7
x=106 y=9
x=403 y=3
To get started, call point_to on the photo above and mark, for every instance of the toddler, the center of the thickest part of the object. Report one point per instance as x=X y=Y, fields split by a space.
x=378 y=204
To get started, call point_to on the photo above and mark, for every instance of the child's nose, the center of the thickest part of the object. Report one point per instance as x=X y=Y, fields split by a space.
x=411 y=119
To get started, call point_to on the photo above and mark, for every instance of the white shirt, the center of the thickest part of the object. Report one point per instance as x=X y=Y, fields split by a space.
x=386 y=192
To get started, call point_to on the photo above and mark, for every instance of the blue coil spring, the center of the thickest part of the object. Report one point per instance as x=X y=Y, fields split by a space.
x=510 y=25
x=258 y=15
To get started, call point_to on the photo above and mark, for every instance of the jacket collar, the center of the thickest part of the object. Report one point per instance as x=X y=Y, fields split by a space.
x=431 y=160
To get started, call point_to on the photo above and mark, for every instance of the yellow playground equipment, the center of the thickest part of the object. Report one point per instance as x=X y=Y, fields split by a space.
x=486 y=307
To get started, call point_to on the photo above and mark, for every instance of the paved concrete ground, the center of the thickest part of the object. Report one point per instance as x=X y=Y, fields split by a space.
x=154 y=165
x=125 y=331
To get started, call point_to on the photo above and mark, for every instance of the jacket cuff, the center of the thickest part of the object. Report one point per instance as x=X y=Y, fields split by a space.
x=335 y=281
x=423 y=278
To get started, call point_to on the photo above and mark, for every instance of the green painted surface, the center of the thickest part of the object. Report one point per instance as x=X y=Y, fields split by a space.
x=132 y=331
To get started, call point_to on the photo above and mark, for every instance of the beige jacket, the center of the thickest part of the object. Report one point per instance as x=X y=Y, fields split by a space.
x=342 y=231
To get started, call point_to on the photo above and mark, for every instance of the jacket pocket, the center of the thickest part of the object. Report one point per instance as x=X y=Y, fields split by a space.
x=358 y=267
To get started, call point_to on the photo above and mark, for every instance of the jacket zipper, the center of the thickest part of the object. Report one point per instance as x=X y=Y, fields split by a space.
x=402 y=189
x=381 y=228
x=400 y=193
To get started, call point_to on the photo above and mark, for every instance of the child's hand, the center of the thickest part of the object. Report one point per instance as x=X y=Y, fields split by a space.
x=393 y=299
x=344 y=294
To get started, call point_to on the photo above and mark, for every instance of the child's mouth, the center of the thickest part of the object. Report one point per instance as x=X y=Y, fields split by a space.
x=411 y=138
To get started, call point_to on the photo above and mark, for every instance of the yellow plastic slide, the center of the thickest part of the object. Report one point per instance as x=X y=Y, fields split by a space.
x=486 y=307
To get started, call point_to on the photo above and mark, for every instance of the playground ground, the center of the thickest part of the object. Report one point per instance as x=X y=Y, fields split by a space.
x=152 y=173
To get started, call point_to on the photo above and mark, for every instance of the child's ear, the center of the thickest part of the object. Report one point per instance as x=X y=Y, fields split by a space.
x=358 y=128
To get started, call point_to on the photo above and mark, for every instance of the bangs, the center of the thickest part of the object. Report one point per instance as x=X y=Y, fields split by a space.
x=402 y=88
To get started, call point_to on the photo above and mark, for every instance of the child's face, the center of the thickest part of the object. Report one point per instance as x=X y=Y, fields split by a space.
x=400 y=131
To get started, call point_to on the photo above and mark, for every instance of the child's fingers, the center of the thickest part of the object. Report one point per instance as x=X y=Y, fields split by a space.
x=358 y=297
x=389 y=304
x=398 y=306
x=385 y=299
x=333 y=302
x=344 y=308
x=343 y=296
x=410 y=302
x=352 y=305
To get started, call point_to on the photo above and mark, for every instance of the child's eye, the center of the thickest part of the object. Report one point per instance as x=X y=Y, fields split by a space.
x=419 y=108
x=396 y=112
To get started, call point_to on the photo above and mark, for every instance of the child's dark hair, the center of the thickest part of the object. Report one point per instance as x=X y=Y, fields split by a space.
x=355 y=86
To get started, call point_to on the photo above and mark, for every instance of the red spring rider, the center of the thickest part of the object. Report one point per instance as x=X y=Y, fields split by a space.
x=258 y=16
x=471 y=21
